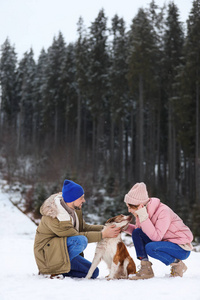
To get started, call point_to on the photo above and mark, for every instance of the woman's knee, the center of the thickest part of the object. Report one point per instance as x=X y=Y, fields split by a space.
x=136 y=232
x=150 y=248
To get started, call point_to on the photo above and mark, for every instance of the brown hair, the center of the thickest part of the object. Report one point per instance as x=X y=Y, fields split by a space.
x=133 y=206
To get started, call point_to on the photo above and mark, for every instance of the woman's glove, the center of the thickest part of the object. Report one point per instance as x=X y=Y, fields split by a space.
x=142 y=214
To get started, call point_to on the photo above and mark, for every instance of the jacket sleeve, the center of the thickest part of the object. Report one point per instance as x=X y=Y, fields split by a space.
x=66 y=229
x=129 y=229
x=157 y=231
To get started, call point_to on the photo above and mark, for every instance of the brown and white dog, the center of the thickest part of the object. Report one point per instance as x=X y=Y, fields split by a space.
x=114 y=252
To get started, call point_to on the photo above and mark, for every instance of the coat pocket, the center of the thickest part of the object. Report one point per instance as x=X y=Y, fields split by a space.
x=53 y=254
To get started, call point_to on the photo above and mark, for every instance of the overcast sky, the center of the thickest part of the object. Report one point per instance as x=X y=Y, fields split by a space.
x=34 y=23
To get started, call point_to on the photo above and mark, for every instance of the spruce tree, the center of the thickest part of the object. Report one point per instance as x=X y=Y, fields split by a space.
x=39 y=129
x=82 y=62
x=53 y=94
x=118 y=99
x=142 y=75
x=188 y=112
x=70 y=96
x=25 y=92
x=98 y=79
x=157 y=128
x=173 y=48
x=9 y=101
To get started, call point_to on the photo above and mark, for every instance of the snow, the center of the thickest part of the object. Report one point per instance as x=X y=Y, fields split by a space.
x=19 y=277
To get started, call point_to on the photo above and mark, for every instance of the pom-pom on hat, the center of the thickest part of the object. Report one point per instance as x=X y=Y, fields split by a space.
x=71 y=191
x=137 y=195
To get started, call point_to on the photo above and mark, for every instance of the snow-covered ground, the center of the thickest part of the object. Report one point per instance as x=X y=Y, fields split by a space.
x=19 y=277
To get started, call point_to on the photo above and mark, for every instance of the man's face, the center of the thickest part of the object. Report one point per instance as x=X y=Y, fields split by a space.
x=77 y=204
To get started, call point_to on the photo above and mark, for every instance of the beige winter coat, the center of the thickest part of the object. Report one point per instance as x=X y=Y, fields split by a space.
x=50 y=248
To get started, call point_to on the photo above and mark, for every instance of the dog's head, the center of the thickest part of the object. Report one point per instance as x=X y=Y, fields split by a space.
x=119 y=221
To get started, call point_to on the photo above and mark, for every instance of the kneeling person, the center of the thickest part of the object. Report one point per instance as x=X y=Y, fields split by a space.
x=62 y=234
x=158 y=233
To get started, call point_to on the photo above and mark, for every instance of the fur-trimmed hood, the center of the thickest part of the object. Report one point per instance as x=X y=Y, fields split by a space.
x=53 y=208
x=49 y=207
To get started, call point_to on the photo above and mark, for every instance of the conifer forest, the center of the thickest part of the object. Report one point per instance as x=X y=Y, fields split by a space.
x=117 y=106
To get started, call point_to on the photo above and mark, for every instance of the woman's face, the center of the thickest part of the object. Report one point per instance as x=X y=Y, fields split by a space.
x=132 y=209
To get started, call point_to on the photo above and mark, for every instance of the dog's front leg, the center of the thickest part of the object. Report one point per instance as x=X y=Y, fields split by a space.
x=113 y=271
x=95 y=262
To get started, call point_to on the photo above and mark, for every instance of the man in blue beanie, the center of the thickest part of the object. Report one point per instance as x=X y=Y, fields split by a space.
x=62 y=234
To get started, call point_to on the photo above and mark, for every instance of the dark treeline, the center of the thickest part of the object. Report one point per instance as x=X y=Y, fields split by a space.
x=115 y=107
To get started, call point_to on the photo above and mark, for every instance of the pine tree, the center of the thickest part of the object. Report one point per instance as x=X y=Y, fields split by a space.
x=173 y=46
x=39 y=129
x=142 y=76
x=82 y=62
x=188 y=111
x=9 y=101
x=25 y=92
x=70 y=96
x=53 y=98
x=118 y=98
x=98 y=75
x=156 y=152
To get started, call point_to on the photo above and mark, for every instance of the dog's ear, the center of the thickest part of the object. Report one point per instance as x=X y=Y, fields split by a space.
x=110 y=220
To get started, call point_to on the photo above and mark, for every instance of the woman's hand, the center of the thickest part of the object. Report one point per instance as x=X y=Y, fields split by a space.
x=140 y=206
x=142 y=213
x=134 y=210
x=110 y=231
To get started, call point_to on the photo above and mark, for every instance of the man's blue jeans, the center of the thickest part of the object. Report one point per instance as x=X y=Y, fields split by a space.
x=79 y=265
x=166 y=252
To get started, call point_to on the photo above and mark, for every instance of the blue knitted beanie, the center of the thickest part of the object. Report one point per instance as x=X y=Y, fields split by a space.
x=71 y=191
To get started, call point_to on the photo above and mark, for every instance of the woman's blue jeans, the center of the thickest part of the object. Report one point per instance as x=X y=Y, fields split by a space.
x=166 y=252
x=79 y=265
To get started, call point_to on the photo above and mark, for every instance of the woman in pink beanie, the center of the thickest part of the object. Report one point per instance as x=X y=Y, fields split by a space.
x=158 y=232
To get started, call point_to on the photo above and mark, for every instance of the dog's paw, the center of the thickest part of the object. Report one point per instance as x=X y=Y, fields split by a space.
x=131 y=276
x=109 y=277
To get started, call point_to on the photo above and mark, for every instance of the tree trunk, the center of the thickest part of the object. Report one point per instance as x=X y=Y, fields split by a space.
x=94 y=149
x=112 y=139
x=120 y=162
x=132 y=169
x=158 y=161
x=56 y=127
x=197 y=150
x=171 y=159
x=78 y=134
x=126 y=164
x=141 y=132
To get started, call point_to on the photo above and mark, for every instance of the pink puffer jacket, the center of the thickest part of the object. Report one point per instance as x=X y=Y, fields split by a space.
x=163 y=225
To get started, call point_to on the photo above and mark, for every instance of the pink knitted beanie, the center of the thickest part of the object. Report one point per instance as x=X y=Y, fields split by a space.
x=137 y=195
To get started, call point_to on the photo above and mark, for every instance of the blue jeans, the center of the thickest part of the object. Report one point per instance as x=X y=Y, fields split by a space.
x=79 y=265
x=166 y=252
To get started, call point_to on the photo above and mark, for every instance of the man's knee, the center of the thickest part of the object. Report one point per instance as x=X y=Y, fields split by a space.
x=83 y=240
x=95 y=273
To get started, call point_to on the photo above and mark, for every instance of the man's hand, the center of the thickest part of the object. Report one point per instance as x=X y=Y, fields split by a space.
x=110 y=231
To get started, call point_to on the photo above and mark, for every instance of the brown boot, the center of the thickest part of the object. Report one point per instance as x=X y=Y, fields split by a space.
x=145 y=271
x=177 y=269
